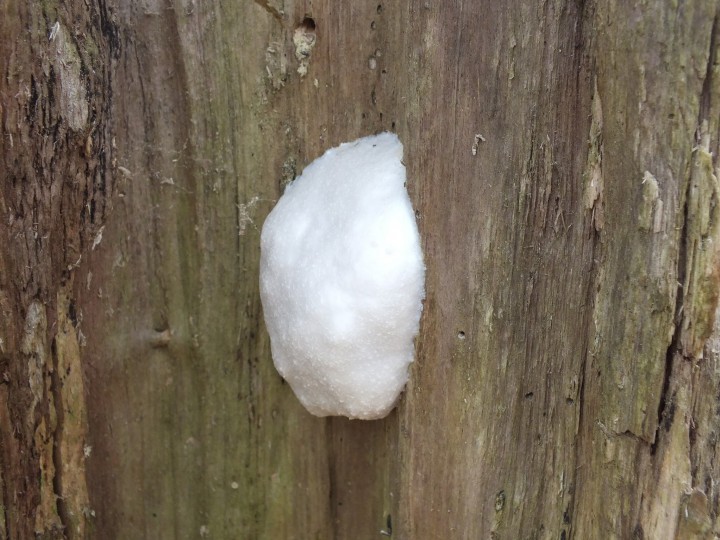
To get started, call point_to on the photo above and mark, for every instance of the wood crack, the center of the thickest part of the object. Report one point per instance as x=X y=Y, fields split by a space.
x=673 y=348
x=265 y=4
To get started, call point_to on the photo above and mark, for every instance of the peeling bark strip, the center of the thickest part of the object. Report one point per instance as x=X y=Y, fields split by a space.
x=36 y=353
x=71 y=448
x=55 y=189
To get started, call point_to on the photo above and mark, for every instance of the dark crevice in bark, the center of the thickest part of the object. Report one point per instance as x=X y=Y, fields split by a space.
x=630 y=435
x=265 y=4
x=7 y=491
x=666 y=402
x=111 y=32
x=6 y=531
x=692 y=449
x=583 y=47
x=584 y=370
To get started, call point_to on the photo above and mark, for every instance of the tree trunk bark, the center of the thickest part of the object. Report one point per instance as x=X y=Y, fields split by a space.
x=561 y=156
x=56 y=192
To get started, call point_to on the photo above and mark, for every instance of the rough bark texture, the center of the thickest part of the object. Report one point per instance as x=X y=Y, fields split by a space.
x=561 y=157
x=55 y=193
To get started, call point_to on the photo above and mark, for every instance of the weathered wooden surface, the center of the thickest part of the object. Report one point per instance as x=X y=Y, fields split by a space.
x=565 y=193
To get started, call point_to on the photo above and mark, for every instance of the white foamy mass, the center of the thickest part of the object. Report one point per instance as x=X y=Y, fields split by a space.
x=342 y=280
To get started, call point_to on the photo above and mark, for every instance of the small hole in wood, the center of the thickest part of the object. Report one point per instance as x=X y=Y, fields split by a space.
x=308 y=24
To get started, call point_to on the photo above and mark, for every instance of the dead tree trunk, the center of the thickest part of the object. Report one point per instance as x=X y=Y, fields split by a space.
x=561 y=156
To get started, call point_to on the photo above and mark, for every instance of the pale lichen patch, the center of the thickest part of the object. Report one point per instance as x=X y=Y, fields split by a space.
x=68 y=68
x=476 y=143
x=244 y=217
x=650 y=198
x=276 y=65
x=593 y=196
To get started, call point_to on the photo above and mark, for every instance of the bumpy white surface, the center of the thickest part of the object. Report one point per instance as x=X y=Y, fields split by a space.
x=342 y=280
